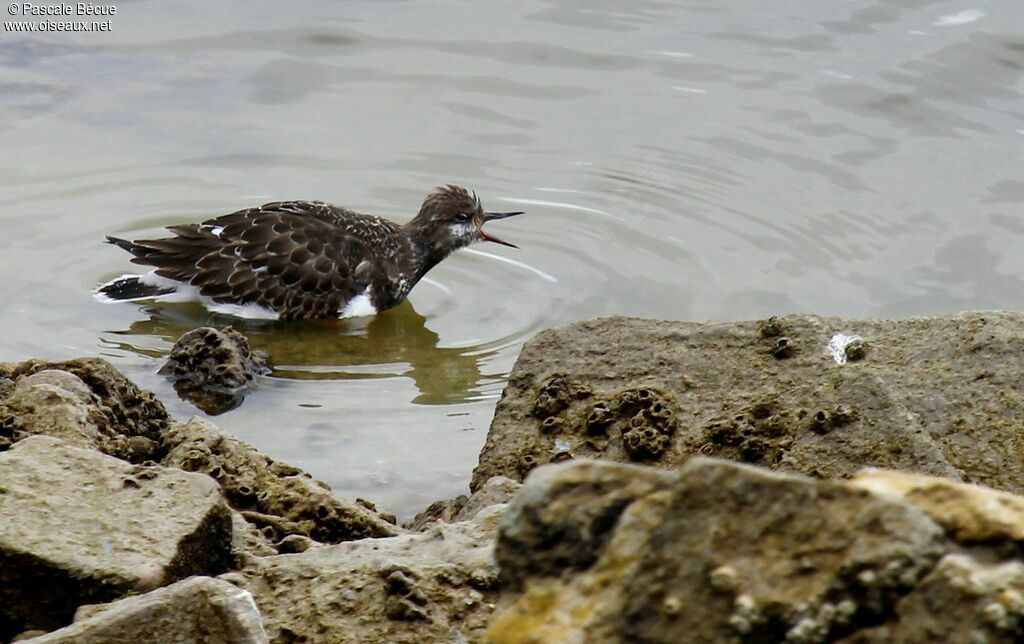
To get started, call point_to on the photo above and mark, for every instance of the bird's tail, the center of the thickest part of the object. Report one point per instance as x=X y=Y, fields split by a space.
x=124 y=244
x=131 y=287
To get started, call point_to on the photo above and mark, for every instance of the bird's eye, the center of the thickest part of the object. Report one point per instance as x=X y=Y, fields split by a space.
x=462 y=216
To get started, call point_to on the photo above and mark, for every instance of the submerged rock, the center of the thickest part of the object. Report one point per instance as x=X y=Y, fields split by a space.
x=213 y=368
x=82 y=527
x=929 y=396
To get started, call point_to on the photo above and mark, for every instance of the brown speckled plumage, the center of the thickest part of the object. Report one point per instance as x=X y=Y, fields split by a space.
x=306 y=259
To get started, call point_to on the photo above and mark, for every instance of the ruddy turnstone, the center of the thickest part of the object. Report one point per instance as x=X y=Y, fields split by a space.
x=294 y=260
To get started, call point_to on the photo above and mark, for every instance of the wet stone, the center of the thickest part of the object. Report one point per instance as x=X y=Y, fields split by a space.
x=213 y=368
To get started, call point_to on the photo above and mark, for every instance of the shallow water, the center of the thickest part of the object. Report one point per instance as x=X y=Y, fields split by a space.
x=690 y=160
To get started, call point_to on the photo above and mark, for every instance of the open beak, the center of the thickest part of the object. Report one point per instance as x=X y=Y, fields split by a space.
x=488 y=216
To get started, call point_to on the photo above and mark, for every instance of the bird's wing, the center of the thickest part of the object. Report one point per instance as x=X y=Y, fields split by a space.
x=292 y=257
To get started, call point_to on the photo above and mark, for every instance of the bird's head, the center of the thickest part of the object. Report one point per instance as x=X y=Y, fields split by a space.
x=452 y=217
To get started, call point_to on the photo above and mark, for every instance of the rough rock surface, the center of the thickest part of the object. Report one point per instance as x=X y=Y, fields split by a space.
x=84 y=401
x=280 y=499
x=931 y=395
x=52 y=403
x=498 y=489
x=212 y=368
x=723 y=552
x=772 y=554
x=198 y=609
x=694 y=549
x=971 y=513
x=82 y=527
x=961 y=600
x=563 y=518
x=434 y=586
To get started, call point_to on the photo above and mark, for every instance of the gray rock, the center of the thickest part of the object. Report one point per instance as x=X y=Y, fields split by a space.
x=85 y=402
x=563 y=517
x=443 y=511
x=213 y=368
x=925 y=395
x=66 y=381
x=721 y=552
x=6 y=387
x=90 y=528
x=198 y=609
x=434 y=586
x=786 y=556
x=54 y=403
x=496 y=490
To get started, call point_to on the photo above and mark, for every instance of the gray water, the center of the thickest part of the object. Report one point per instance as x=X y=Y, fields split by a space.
x=693 y=160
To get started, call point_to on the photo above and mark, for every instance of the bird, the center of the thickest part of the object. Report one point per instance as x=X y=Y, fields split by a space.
x=299 y=260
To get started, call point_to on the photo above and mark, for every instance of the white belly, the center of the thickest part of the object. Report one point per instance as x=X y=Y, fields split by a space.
x=359 y=306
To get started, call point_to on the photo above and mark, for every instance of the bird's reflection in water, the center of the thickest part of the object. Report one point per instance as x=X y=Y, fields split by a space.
x=396 y=342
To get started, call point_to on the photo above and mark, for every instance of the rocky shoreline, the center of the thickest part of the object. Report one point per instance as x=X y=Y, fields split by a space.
x=801 y=479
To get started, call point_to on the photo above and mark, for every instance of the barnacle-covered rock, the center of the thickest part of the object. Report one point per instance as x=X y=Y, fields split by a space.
x=552 y=425
x=280 y=498
x=437 y=585
x=552 y=397
x=213 y=368
x=600 y=418
x=85 y=402
x=602 y=552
